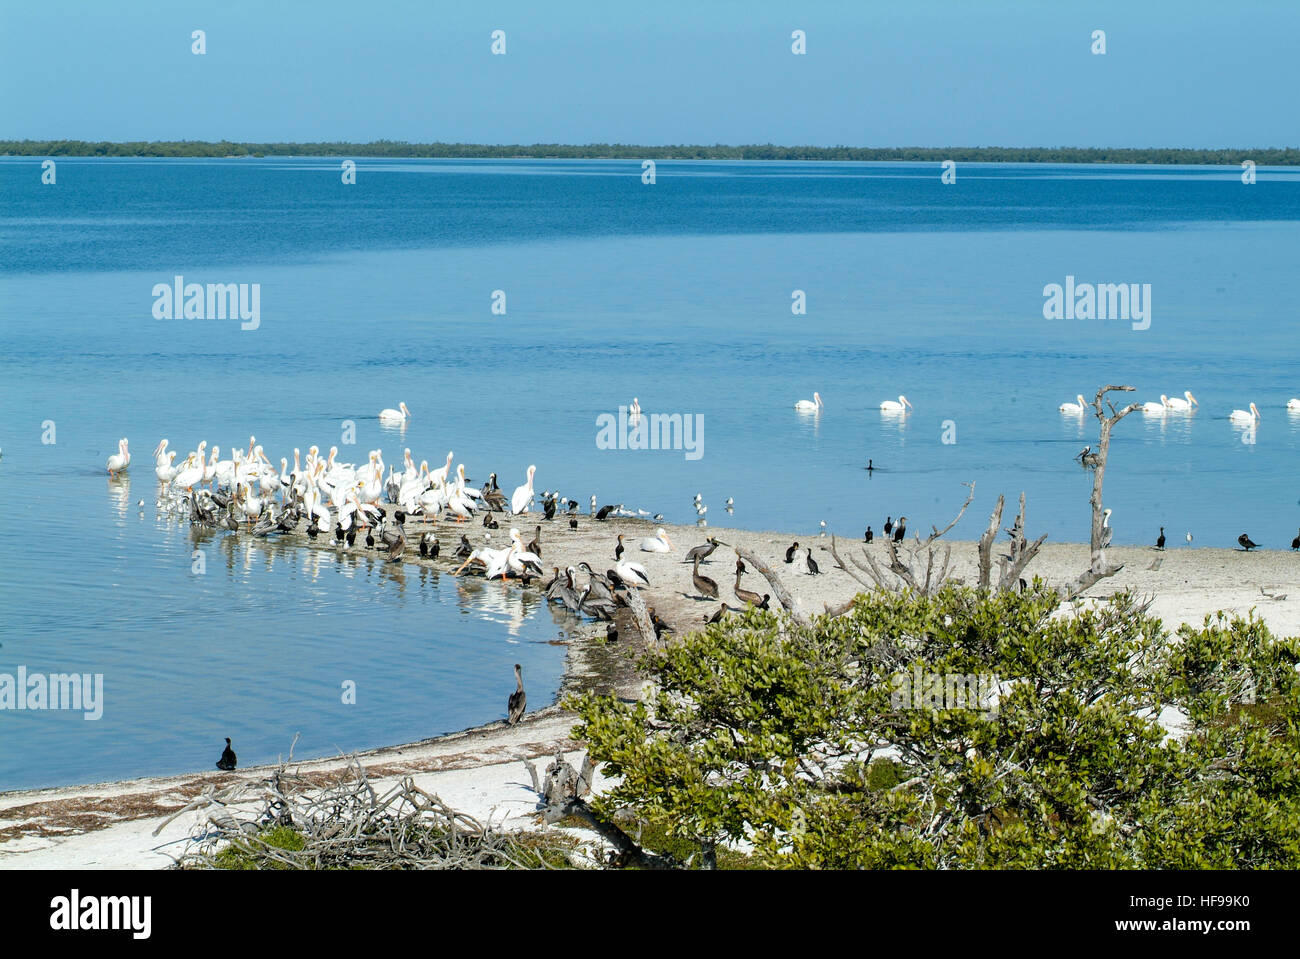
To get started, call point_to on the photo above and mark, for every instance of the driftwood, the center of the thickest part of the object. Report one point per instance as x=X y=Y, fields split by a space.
x=346 y=824
x=1011 y=566
x=562 y=793
x=640 y=615
x=779 y=589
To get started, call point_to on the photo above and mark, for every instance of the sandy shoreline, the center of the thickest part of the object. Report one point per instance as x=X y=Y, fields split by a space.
x=480 y=770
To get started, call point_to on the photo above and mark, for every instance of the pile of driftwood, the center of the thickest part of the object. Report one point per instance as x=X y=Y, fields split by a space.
x=348 y=824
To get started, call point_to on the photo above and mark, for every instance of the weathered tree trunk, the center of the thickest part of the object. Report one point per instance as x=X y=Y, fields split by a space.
x=1098 y=568
x=779 y=589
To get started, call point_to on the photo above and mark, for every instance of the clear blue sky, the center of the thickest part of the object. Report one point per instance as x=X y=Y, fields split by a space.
x=1185 y=73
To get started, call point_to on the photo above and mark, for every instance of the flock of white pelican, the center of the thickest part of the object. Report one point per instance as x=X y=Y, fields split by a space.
x=1185 y=404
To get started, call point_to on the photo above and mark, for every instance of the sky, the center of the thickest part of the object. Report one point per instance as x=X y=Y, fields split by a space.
x=1184 y=73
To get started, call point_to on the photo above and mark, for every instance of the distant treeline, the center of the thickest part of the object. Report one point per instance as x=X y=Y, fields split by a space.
x=619 y=151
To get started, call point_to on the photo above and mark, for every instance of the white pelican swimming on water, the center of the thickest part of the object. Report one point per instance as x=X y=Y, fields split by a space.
x=1293 y=405
x=399 y=415
x=1182 y=405
x=119 y=460
x=634 y=411
x=813 y=405
x=160 y=454
x=523 y=495
x=1078 y=407
x=658 y=543
x=1153 y=407
x=1241 y=416
x=897 y=406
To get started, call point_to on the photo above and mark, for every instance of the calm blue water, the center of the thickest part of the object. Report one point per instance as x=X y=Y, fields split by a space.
x=677 y=293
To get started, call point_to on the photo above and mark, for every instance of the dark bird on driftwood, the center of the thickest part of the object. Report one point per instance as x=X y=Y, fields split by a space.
x=518 y=699
x=227 y=760
x=1246 y=542
x=789 y=553
x=1160 y=540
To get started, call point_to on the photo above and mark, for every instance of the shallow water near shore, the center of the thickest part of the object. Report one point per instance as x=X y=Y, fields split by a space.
x=678 y=294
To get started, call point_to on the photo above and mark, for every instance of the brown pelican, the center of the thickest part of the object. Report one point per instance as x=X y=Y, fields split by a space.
x=813 y=568
x=394 y=540
x=704 y=586
x=227 y=760
x=703 y=551
x=744 y=595
x=518 y=699
x=535 y=546
x=1246 y=542
x=1106 y=531
x=789 y=553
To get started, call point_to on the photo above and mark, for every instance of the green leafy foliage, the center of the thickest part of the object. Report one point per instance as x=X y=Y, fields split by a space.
x=1113 y=744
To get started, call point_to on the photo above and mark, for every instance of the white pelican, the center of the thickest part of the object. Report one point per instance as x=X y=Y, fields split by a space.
x=1153 y=407
x=1078 y=407
x=166 y=472
x=523 y=495
x=1293 y=405
x=519 y=558
x=633 y=574
x=399 y=415
x=1241 y=416
x=634 y=410
x=160 y=455
x=810 y=406
x=897 y=406
x=439 y=476
x=119 y=460
x=658 y=543
x=1183 y=405
x=191 y=473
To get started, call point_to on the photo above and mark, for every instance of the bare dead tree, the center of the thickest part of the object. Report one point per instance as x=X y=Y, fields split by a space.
x=1021 y=550
x=906 y=568
x=1098 y=568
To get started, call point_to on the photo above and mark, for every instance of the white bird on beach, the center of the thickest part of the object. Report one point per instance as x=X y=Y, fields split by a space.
x=1242 y=416
x=810 y=406
x=1078 y=407
x=658 y=543
x=1154 y=407
x=633 y=574
x=120 y=460
x=897 y=406
x=523 y=495
x=1182 y=405
x=399 y=415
